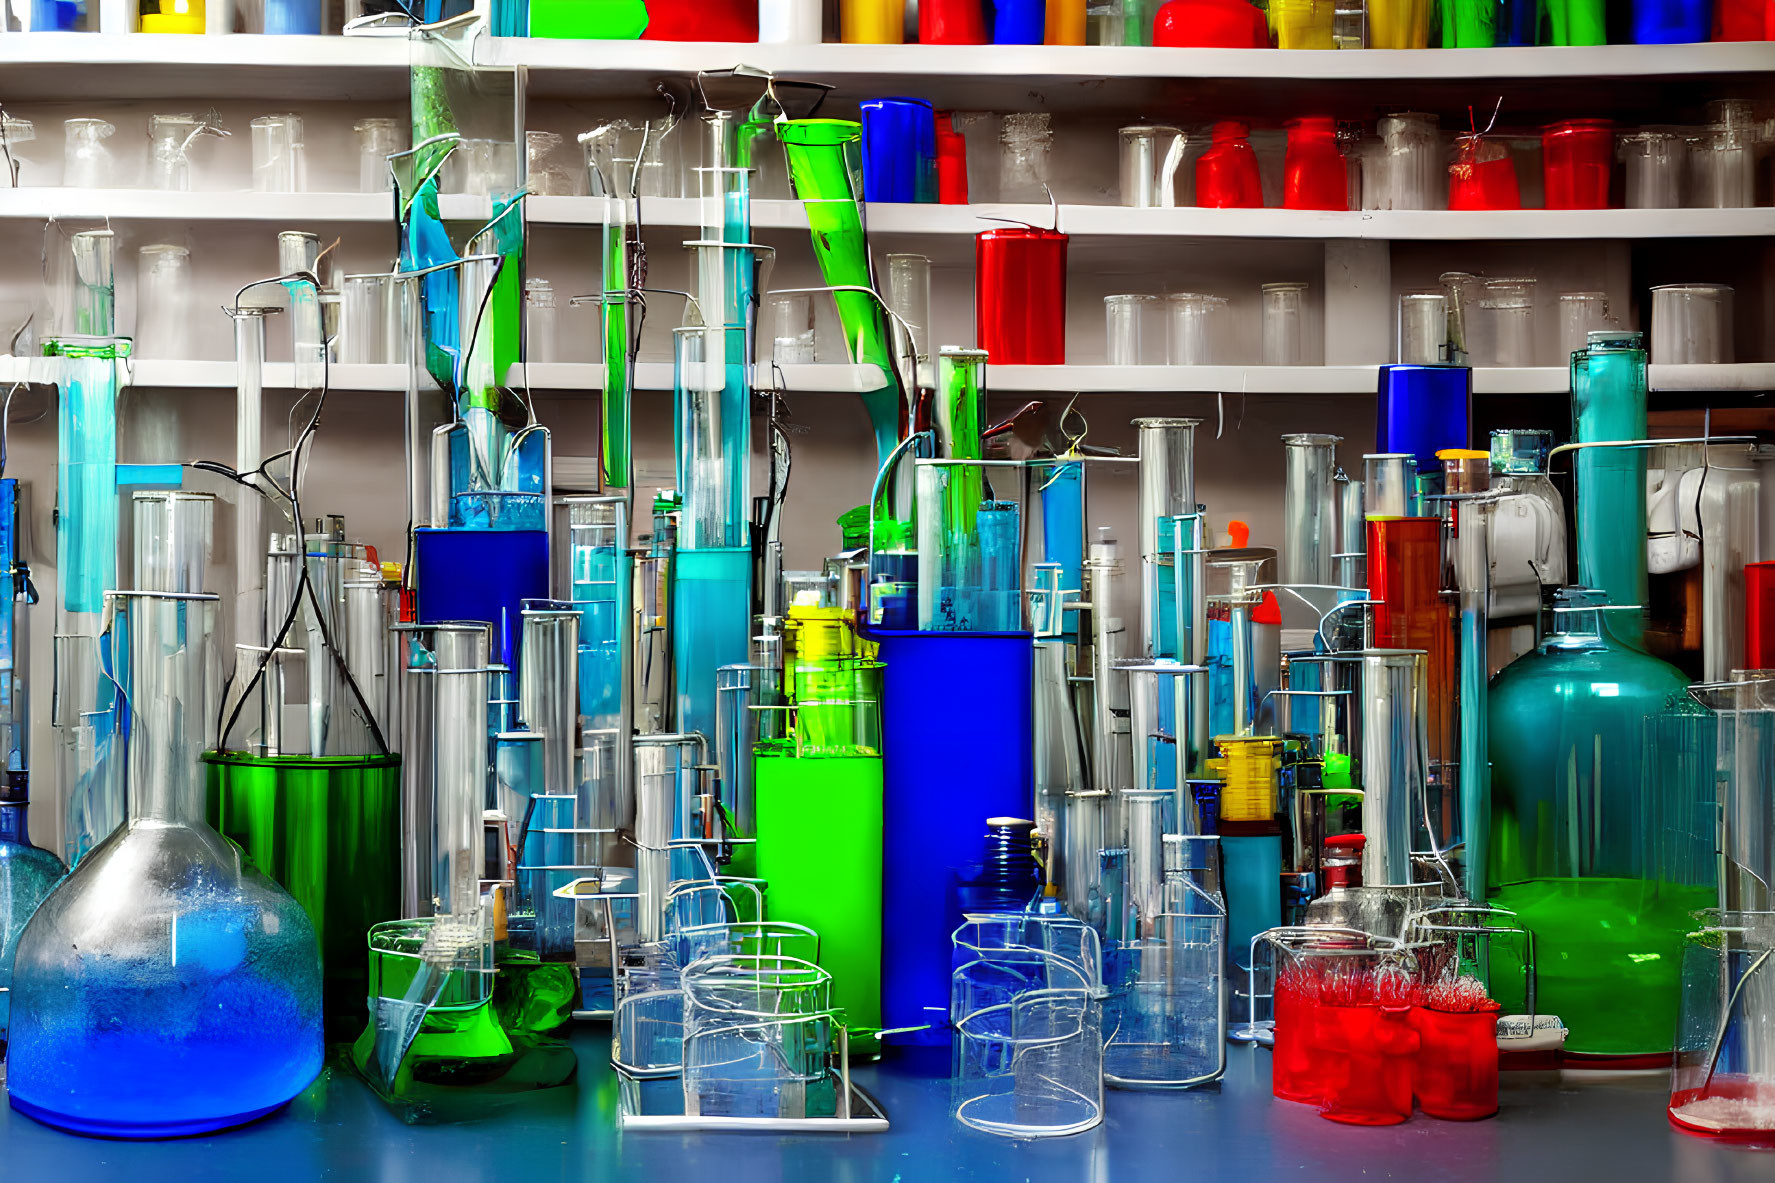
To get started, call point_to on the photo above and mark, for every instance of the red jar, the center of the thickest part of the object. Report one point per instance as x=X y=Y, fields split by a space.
x=683 y=20
x=1296 y=1070
x=1482 y=176
x=1759 y=616
x=1226 y=175
x=1315 y=174
x=1577 y=157
x=1372 y=1052
x=951 y=22
x=1020 y=295
x=952 y=162
x=1457 y=1063
x=1211 y=24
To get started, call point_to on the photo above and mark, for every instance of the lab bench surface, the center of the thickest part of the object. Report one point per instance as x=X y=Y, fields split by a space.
x=1591 y=1132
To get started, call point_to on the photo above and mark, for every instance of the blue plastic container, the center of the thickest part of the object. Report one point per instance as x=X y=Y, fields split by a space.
x=1422 y=410
x=57 y=16
x=293 y=16
x=899 y=150
x=1671 y=22
x=958 y=747
x=1019 y=22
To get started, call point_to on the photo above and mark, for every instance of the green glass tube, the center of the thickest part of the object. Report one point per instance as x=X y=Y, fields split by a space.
x=327 y=830
x=1577 y=22
x=618 y=344
x=1609 y=403
x=825 y=167
x=1469 y=24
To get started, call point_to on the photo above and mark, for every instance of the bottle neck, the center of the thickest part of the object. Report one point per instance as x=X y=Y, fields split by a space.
x=15 y=822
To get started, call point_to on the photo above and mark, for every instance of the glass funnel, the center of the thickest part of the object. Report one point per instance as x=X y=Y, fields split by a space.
x=166 y=988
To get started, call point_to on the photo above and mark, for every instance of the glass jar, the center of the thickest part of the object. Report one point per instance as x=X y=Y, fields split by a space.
x=280 y=162
x=1655 y=161
x=1125 y=328
x=377 y=140
x=1025 y=143
x=1314 y=174
x=1483 y=176
x=1284 y=339
x=1192 y=328
x=86 y=162
x=163 y=302
x=1410 y=169
x=1580 y=314
x=541 y=341
x=542 y=177
x=1507 y=311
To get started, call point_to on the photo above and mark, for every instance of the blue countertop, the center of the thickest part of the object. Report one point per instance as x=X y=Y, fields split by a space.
x=1596 y=1131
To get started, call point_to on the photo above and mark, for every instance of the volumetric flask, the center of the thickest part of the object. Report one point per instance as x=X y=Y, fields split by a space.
x=1125 y=324
x=1580 y=314
x=1284 y=331
x=790 y=319
x=163 y=301
x=1691 y=324
x=1507 y=309
x=86 y=162
x=1025 y=142
x=1192 y=324
x=1423 y=328
x=280 y=163
x=377 y=140
x=1150 y=157
x=1655 y=161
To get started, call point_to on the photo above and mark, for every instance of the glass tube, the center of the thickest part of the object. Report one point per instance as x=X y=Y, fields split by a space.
x=459 y=796
x=279 y=158
x=1508 y=309
x=1284 y=333
x=1580 y=314
x=1423 y=328
x=909 y=297
x=373 y=324
x=1309 y=516
x=163 y=302
x=377 y=140
x=1150 y=157
x=1692 y=324
x=540 y=322
x=1655 y=162
x=86 y=162
x=790 y=318
x=1025 y=143
x=1193 y=326
x=1125 y=316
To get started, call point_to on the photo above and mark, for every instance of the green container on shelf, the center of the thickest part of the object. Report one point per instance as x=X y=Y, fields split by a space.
x=328 y=831
x=593 y=20
x=1576 y=22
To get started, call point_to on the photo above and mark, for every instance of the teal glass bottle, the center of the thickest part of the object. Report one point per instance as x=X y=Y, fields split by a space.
x=26 y=875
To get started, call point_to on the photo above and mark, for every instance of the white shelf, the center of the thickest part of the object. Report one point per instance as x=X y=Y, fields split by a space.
x=91 y=66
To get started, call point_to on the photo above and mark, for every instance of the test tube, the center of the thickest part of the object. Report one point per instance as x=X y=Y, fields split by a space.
x=459 y=786
x=909 y=298
x=1284 y=331
x=1193 y=325
x=1167 y=476
x=1125 y=316
x=1692 y=324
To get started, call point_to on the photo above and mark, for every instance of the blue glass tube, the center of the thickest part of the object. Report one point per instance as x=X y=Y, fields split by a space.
x=1019 y=22
x=1671 y=22
x=1063 y=521
x=57 y=16
x=1001 y=566
x=899 y=150
x=711 y=621
x=293 y=16
x=1609 y=403
x=1423 y=409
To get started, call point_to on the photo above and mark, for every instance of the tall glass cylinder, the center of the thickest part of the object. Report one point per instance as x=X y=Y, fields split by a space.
x=1394 y=761
x=1609 y=404
x=459 y=787
x=163 y=295
x=1192 y=328
x=1655 y=163
x=1150 y=158
x=618 y=337
x=1309 y=522
x=1167 y=476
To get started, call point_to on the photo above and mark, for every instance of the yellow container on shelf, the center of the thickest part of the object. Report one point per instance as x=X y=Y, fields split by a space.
x=1398 y=24
x=1247 y=766
x=172 y=16
x=1302 y=24
x=872 y=22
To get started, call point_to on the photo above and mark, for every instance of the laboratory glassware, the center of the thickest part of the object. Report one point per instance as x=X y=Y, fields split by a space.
x=1482 y=175
x=899 y=150
x=541 y=333
x=86 y=162
x=1399 y=24
x=1302 y=24
x=1576 y=22
x=1223 y=24
x=872 y=22
x=1309 y=523
x=951 y=22
x=1655 y=163
x=292 y=17
x=1193 y=326
x=1226 y=174
x=1019 y=22
x=1692 y=324
x=1149 y=159
x=1408 y=168
x=1721 y=1082
x=1723 y=159
x=1580 y=314
x=758 y=1029
x=1507 y=309
x=170 y=138
x=1315 y=174
x=377 y=140
x=1577 y=157
x=1668 y=22
x=543 y=177
x=789 y=318
x=909 y=298
x=1423 y=328
x=1126 y=318
x=374 y=329
x=163 y=296
x=280 y=162
x=172 y=16
x=1283 y=327
x=1026 y=142
x=1020 y=295
x=952 y=161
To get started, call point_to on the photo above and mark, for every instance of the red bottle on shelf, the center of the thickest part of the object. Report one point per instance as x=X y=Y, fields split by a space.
x=1226 y=175
x=1315 y=174
x=1020 y=295
x=951 y=22
x=1211 y=24
x=1578 y=156
x=952 y=162
x=1482 y=177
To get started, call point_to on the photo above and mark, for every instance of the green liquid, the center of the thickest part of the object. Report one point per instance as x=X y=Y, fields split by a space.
x=1608 y=956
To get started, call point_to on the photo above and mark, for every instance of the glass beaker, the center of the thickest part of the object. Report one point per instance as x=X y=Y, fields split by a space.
x=1580 y=314
x=1423 y=328
x=1020 y=295
x=1507 y=307
x=14 y=133
x=1193 y=326
x=872 y=22
x=1577 y=157
x=1723 y=1083
x=1302 y=24
x=86 y=162
x=1026 y=140
x=541 y=341
x=373 y=320
x=172 y=16
x=542 y=176
x=1149 y=159
x=1226 y=174
x=169 y=138
x=1670 y=22
x=1283 y=326
x=1399 y=24
x=1655 y=162
x=909 y=298
x=377 y=140
x=790 y=321
x=757 y=1033
x=1723 y=158
x=1125 y=318
x=1482 y=176
x=1409 y=167
x=1315 y=174
x=899 y=150
x=1349 y=26
x=1692 y=324
x=280 y=162
x=163 y=302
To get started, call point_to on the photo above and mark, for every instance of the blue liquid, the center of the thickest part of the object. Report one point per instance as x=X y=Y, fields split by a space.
x=292 y=16
x=899 y=150
x=57 y=16
x=711 y=625
x=1671 y=22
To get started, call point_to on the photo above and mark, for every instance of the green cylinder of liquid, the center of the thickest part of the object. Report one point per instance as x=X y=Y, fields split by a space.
x=1469 y=24
x=819 y=853
x=595 y=20
x=328 y=831
x=1577 y=22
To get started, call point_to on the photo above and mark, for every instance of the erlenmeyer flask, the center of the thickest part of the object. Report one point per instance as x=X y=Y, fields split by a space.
x=166 y=988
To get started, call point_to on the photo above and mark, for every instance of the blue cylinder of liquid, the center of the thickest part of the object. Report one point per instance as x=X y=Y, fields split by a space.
x=1422 y=410
x=1671 y=22
x=292 y=16
x=1063 y=526
x=1519 y=22
x=899 y=150
x=1000 y=605
x=57 y=16
x=1019 y=22
x=957 y=749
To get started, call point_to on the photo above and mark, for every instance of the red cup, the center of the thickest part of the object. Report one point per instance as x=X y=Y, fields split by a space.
x=1211 y=24
x=1020 y=295
x=1482 y=176
x=1457 y=1065
x=1372 y=1050
x=1577 y=157
x=685 y=20
x=1315 y=174
x=952 y=162
x=951 y=22
x=1743 y=20
x=1226 y=175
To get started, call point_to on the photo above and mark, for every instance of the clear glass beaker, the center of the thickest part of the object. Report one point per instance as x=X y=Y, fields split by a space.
x=1032 y=1067
x=1507 y=308
x=757 y=1033
x=169 y=138
x=14 y=133
x=620 y=155
x=1283 y=325
x=1580 y=314
x=373 y=320
x=86 y=162
x=1423 y=328
x=1409 y=166
x=1723 y=159
x=789 y=318
x=1125 y=328
x=163 y=302
x=1655 y=161
x=909 y=298
x=1150 y=157
x=541 y=341
x=377 y=140
x=280 y=162
x=1192 y=328
x=1026 y=140
x=543 y=176
x=1692 y=324
x=1723 y=1082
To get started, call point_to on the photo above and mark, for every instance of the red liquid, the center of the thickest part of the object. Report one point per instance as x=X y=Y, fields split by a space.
x=1020 y=295
x=951 y=22
x=1373 y=1049
x=1578 y=156
x=1315 y=174
x=1759 y=616
x=1211 y=24
x=1457 y=1066
x=1483 y=184
x=952 y=162
x=1226 y=175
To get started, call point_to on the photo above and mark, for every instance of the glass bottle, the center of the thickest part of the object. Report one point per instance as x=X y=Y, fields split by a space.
x=27 y=873
x=165 y=988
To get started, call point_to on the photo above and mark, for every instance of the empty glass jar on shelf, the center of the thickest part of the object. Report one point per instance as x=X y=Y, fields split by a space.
x=86 y=162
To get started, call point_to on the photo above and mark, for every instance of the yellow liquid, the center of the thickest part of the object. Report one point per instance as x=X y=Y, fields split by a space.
x=176 y=16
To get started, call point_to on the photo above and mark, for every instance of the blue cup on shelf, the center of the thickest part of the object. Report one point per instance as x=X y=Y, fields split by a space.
x=293 y=16
x=1672 y=22
x=57 y=16
x=1019 y=22
x=899 y=150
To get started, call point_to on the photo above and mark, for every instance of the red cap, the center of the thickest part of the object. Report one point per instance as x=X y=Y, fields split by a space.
x=1351 y=842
